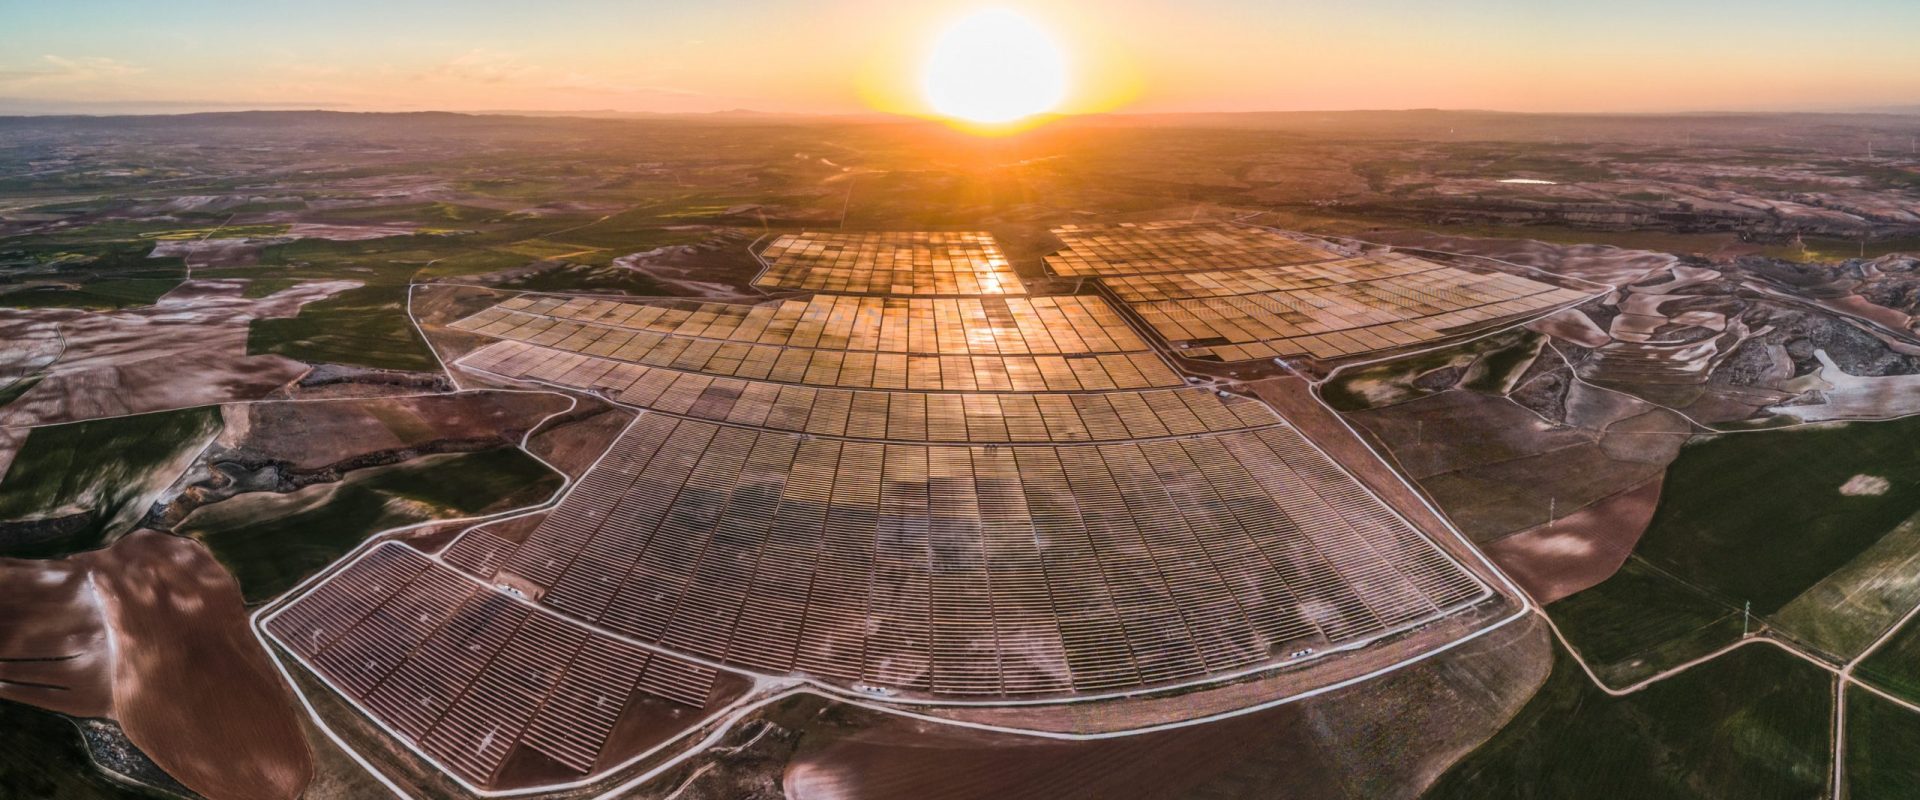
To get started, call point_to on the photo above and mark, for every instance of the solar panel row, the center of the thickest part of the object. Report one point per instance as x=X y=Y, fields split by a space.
x=1237 y=293
x=1223 y=283
x=1349 y=319
x=912 y=416
x=979 y=326
x=889 y=263
x=467 y=674
x=1137 y=248
x=834 y=368
x=979 y=571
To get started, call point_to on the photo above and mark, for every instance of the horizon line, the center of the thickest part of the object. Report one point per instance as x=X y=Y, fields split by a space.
x=194 y=108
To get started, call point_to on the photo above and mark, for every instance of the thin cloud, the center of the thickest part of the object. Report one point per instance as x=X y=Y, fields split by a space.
x=63 y=70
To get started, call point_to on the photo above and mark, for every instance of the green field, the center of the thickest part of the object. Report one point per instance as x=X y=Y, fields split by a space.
x=1639 y=622
x=1895 y=667
x=106 y=269
x=103 y=469
x=271 y=542
x=1843 y=613
x=368 y=326
x=1753 y=724
x=42 y=756
x=365 y=327
x=1760 y=517
x=104 y=295
x=1883 y=749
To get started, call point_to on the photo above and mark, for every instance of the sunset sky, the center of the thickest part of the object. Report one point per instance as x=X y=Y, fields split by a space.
x=849 y=56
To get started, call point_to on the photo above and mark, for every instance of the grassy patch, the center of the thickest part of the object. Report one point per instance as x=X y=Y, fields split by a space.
x=1760 y=516
x=42 y=755
x=1882 y=739
x=540 y=249
x=1895 y=667
x=257 y=288
x=1489 y=365
x=222 y=232
x=1641 y=621
x=104 y=294
x=106 y=470
x=1846 y=611
x=1752 y=724
x=367 y=327
x=272 y=542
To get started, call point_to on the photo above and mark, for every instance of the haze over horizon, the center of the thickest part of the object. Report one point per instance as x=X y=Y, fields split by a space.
x=100 y=56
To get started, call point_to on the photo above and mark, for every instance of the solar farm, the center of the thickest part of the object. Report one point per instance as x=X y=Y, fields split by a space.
x=898 y=263
x=1264 y=295
x=970 y=500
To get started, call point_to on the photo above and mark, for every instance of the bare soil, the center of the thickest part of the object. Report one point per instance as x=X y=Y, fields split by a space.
x=160 y=644
x=312 y=435
x=1386 y=738
x=189 y=349
x=1581 y=549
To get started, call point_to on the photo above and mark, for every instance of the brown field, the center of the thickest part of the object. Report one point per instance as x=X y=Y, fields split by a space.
x=161 y=646
x=312 y=435
x=1581 y=549
x=53 y=639
x=189 y=349
x=1592 y=262
x=1366 y=740
x=1516 y=470
x=573 y=441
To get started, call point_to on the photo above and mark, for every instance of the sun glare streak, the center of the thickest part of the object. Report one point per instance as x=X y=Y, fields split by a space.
x=994 y=67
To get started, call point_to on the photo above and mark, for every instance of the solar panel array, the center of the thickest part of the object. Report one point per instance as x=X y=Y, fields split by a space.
x=959 y=497
x=1136 y=248
x=1348 y=319
x=900 y=263
x=465 y=673
x=1256 y=280
x=976 y=325
x=1237 y=293
x=1052 y=344
x=978 y=570
x=985 y=417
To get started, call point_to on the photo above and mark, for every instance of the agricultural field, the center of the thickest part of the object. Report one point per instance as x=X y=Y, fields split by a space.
x=43 y=756
x=1881 y=737
x=1811 y=551
x=58 y=496
x=272 y=541
x=1753 y=723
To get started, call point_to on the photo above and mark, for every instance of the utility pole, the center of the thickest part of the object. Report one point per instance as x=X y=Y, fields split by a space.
x=1746 y=618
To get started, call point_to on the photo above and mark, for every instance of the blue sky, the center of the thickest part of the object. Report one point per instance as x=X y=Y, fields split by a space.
x=848 y=55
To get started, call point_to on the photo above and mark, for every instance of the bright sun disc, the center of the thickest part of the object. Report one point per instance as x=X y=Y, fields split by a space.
x=994 y=66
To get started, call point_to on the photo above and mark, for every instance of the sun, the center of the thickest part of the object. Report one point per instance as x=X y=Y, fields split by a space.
x=994 y=66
